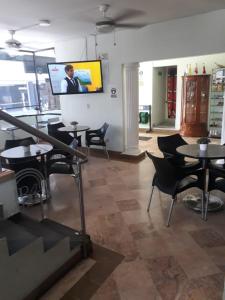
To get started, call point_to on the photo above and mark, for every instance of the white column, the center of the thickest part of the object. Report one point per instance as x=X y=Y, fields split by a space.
x=131 y=102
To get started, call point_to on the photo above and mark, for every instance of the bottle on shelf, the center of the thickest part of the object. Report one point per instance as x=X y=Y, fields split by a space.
x=189 y=70
x=204 y=69
x=196 y=69
x=186 y=71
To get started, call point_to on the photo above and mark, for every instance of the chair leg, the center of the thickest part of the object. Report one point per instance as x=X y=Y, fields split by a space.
x=150 y=199
x=203 y=205
x=206 y=206
x=106 y=151
x=48 y=188
x=170 y=211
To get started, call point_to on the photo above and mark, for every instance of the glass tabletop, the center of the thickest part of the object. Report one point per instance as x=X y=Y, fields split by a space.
x=192 y=150
x=23 y=152
x=73 y=128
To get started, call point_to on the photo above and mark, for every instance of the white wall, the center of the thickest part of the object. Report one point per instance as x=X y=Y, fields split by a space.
x=145 y=90
x=192 y=36
x=158 y=95
x=94 y=109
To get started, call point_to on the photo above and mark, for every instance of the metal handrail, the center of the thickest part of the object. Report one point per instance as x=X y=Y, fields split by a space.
x=82 y=157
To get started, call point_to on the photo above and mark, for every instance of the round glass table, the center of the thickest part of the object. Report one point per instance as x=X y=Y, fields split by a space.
x=31 y=153
x=213 y=152
x=20 y=152
x=74 y=130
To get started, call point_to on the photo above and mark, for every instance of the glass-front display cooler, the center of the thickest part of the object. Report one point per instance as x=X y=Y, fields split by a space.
x=216 y=103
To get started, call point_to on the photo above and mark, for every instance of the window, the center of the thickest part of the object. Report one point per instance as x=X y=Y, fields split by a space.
x=24 y=81
x=47 y=100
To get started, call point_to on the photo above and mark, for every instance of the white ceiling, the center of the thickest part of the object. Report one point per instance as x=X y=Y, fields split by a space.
x=77 y=17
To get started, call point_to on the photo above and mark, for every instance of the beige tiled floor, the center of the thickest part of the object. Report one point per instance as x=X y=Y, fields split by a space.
x=185 y=261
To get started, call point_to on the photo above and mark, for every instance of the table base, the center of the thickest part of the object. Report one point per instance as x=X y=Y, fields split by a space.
x=29 y=200
x=195 y=203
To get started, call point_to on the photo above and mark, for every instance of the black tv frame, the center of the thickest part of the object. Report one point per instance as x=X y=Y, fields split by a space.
x=71 y=62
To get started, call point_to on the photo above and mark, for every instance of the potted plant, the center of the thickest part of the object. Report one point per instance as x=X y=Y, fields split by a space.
x=74 y=124
x=203 y=143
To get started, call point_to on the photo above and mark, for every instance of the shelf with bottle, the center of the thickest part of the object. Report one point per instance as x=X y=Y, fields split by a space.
x=219 y=104
x=218 y=87
x=215 y=133
x=221 y=100
x=216 y=119
x=215 y=126
x=216 y=110
x=215 y=114
x=215 y=129
x=215 y=136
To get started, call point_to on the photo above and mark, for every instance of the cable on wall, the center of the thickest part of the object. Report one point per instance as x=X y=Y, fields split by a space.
x=86 y=47
x=84 y=52
x=114 y=37
x=96 y=45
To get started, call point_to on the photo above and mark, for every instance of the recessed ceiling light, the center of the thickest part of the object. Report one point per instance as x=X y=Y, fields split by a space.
x=44 y=23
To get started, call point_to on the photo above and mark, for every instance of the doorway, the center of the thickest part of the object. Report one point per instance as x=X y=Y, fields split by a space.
x=164 y=95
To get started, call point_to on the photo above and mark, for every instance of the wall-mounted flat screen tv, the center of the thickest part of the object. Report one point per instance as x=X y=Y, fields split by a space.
x=80 y=77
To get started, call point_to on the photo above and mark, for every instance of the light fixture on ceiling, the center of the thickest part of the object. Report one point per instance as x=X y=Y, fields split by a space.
x=44 y=23
x=12 y=52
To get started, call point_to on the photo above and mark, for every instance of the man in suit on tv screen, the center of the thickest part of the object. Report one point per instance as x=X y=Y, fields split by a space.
x=70 y=84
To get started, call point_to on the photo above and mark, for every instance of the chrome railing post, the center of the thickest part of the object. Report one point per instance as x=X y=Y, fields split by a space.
x=81 y=197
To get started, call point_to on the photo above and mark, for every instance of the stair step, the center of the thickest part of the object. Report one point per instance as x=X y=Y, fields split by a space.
x=75 y=238
x=39 y=229
x=17 y=237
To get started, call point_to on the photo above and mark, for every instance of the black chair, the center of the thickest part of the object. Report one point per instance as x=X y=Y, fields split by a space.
x=15 y=143
x=171 y=180
x=64 y=137
x=65 y=164
x=168 y=145
x=18 y=142
x=59 y=162
x=216 y=181
x=97 y=137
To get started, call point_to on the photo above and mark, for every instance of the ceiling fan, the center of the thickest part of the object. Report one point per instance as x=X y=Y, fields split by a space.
x=107 y=24
x=12 y=44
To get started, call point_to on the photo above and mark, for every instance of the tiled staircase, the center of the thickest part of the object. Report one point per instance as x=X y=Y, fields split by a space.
x=33 y=255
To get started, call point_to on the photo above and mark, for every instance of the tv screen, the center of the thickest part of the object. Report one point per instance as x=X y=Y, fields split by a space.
x=81 y=77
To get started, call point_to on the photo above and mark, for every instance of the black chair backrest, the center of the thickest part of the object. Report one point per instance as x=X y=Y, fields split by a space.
x=52 y=128
x=64 y=137
x=168 y=144
x=19 y=164
x=104 y=128
x=15 y=143
x=166 y=176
